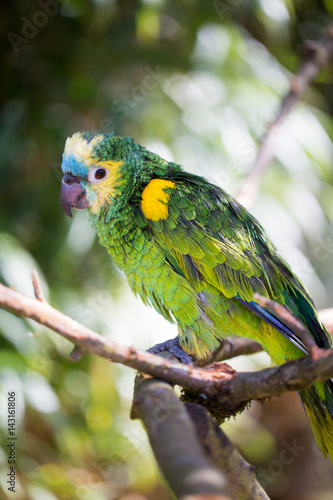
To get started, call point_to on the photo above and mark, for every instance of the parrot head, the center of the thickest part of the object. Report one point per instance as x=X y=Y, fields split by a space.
x=100 y=170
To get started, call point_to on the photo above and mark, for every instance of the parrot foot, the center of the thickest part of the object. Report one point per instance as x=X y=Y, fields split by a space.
x=174 y=348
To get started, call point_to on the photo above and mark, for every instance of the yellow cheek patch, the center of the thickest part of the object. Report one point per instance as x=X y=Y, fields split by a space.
x=155 y=199
x=105 y=190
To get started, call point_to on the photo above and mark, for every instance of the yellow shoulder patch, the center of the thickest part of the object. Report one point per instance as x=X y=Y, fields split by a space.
x=155 y=199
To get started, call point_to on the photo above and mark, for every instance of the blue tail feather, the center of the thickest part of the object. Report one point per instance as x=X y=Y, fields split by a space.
x=275 y=322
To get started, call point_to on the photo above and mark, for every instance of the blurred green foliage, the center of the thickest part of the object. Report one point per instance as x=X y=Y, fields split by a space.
x=197 y=82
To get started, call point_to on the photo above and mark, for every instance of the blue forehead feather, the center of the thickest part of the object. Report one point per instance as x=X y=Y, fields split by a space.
x=71 y=165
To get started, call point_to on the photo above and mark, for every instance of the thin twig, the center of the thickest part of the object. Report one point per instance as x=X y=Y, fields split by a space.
x=314 y=61
x=37 y=286
x=236 y=346
x=288 y=320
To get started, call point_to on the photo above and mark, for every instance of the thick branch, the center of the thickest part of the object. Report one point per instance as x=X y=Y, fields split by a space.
x=172 y=435
x=271 y=382
x=240 y=474
x=317 y=56
x=218 y=381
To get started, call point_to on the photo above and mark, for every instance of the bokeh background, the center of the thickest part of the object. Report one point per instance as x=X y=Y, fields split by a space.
x=197 y=82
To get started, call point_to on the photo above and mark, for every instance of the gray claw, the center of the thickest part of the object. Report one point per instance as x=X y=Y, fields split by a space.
x=173 y=347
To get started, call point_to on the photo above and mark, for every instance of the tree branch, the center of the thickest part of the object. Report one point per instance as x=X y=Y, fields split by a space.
x=242 y=481
x=272 y=382
x=288 y=319
x=187 y=443
x=218 y=382
x=231 y=347
x=172 y=435
x=316 y=56
x=85 y=339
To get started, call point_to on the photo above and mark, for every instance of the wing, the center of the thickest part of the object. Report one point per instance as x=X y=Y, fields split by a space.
x=210 y=239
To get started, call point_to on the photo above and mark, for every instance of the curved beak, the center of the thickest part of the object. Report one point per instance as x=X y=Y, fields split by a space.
x=72 y=194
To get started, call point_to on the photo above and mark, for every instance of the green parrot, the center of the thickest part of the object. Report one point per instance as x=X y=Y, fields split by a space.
x=194 y=253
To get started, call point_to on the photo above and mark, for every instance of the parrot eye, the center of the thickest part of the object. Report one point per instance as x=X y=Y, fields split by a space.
x=97 y=174
x=100 y=173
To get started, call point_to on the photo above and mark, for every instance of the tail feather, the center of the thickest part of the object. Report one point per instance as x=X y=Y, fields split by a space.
x=318 y=403
x=317 y=399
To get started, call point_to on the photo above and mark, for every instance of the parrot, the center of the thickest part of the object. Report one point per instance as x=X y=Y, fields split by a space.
x=195 y=254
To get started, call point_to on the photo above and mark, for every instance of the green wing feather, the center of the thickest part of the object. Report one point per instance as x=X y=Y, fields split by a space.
x=212 y=240
x=222 y=251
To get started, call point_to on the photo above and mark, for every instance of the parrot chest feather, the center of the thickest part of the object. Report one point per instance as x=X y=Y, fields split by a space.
x=156 y=281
